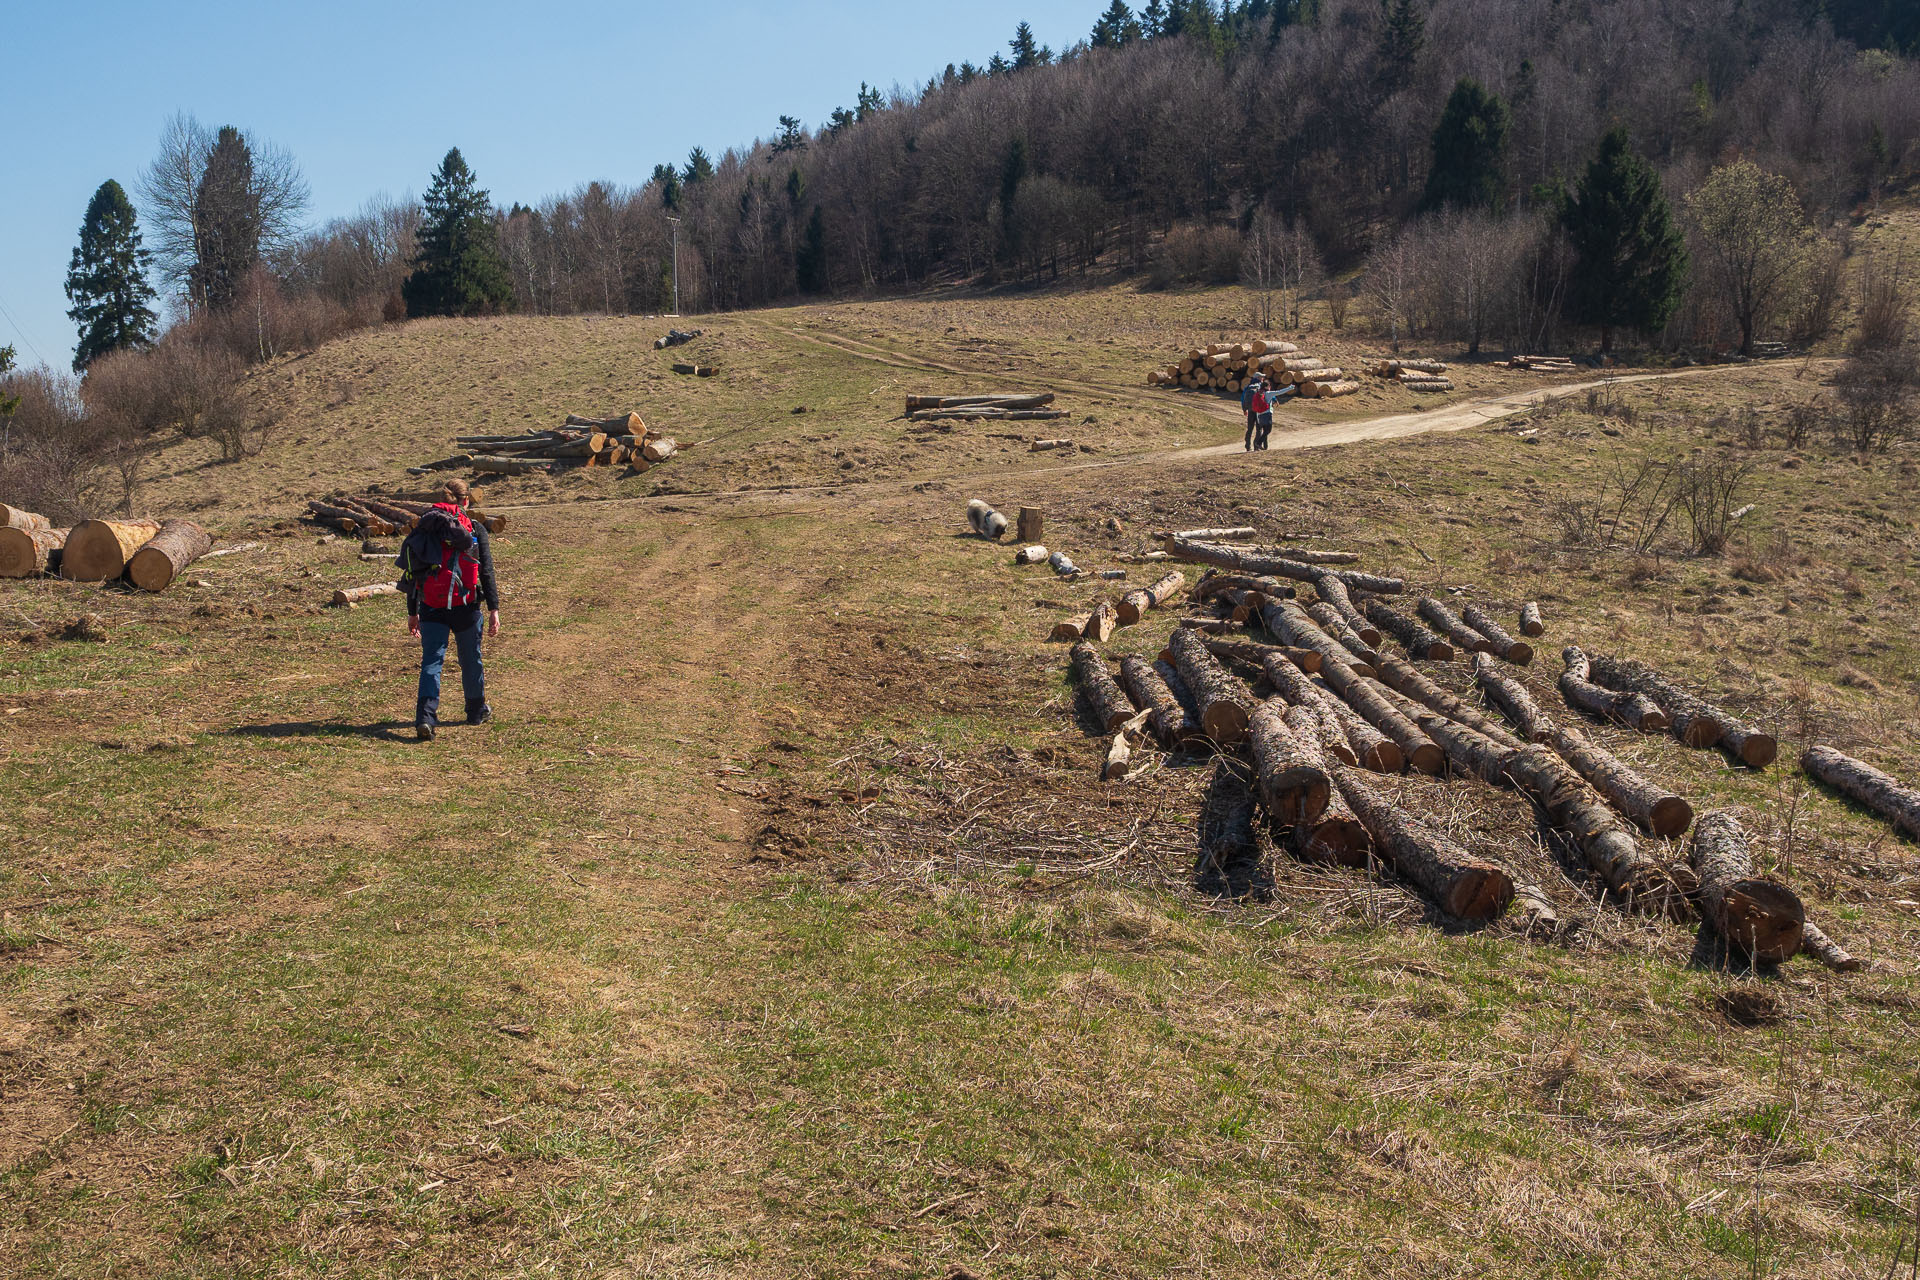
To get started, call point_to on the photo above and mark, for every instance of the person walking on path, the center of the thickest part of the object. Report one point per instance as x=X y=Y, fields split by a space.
x=447 y=568
x=1246 y=406
x=1260 y=409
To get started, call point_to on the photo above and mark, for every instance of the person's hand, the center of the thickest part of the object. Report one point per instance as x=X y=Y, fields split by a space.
x=493 y=622
x=413 y=624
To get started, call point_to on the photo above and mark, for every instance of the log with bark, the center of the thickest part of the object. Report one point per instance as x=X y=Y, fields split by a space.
x=1304 y=555
x=1120 y=750
x=1101 y=622
x=1335 y=836
x=494 y=465
x=1291 y=786
x=354 y=595
x=1068 y=630
x=1136 y=603
x=1296 y=627
x=1817 y=944
x=1043 y=446
x=1334 y=623
x=1241 y=560
x=1531 y=623
x=1459 y=883
x=1364 y=697
x=1256 y=655
x=1867 y=786
x=1409 y=683
x=1413 y=637
x=26 y=552
x=1448 y=624
x=1214 y=583
x=1032 y=524
x=1518 y=652
x=1334 y=592
x=1696 y=722
x=1156 y=688
x=1226 y=534
x=1223 y=705
x=1759 y=915
x=99 y=549
x=178 y=544
x=1508 y=694
x=984 y=520
x=21 y=518
x=1001 y=400
x=1636 y=710
x=1657 y=811
x=1368 y=746
x=1110 y=706
x=1209 y=626
x=1061 y=564
x=659 y=450
x=1572 y=806
x=1030 y=555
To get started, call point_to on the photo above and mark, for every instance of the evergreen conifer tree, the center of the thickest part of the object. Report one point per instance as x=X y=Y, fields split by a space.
x=1632 y=259
x=458 y=270
x=1404 y=36
x=810 y=263
x=107 y=280
x=699 y=167
x=1469 y=147
x=227 y=222
x=1117 y=27
x=1154 y=19
x=1027 y=51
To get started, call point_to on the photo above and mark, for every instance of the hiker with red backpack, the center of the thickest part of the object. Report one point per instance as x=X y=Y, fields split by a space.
x=446 y=567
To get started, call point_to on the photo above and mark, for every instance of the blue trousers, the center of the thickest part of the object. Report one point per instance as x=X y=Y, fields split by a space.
x=433 y=657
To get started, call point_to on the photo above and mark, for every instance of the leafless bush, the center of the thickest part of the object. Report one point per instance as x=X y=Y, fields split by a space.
x=1749 y=428
x=50 y=455
x=1607 y=402
x=1884 y=307
x=1877 y=391
x=1709 y=493
x=1209 y=255
x=1819 y=303
x=1576 y=521
x=1339 y=296
x=1797 y=424
x=1639 y=497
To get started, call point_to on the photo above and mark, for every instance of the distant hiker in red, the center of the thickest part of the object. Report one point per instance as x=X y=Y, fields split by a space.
x=446 y=568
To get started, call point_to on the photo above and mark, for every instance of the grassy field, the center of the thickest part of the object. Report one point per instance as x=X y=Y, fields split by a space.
x=779 y=926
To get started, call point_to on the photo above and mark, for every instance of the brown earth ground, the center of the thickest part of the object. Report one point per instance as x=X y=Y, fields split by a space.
x=779 y=925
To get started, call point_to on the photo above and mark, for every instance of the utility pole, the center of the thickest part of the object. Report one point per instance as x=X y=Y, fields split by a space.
x=676 y=264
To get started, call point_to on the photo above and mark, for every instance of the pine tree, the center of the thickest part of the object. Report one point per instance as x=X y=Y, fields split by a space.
x=810 y=263
x=1632 y=259
x=866 y=103
x=792 y=136
x=9 y=405
x=1469 y=145
x=1404 y=36
x=1027 y=52
x=1117 y=27
x=226 y=222
x=458 y=270
x=107 y=280
x=667 y=178
x=1153 y=19
x=699 y=167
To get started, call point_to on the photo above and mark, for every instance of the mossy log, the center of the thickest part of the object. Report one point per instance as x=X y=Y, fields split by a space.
x=1758 y=915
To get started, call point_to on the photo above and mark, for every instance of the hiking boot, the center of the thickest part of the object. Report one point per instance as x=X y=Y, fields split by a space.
x=480 y=714
x=426 y=720
x=425 y=728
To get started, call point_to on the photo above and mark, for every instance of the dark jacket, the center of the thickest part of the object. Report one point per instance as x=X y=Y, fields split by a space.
x=461 y=619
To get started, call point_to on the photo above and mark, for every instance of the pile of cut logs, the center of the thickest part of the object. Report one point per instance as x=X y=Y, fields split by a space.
x=1544 y=364
x=1005 y=407
x=371 y=515
x=621 y=440
x=1226 y=366
x=147 y=553
x=1318 y=701
x=1415 y=375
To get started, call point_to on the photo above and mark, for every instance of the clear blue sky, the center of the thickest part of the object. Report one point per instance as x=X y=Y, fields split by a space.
x=368 y=97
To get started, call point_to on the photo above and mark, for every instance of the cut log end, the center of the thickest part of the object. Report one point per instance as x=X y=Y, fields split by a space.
x=1671 y=816
x=1479 y=893
x=1764 y=919
x=1429 y=759
x=1758 y=750
x=1225 y=723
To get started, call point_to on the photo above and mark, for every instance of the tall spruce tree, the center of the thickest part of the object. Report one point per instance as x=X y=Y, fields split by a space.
x=1631 y=266
x=227 y=222
x=1403 y=35
x=1117 y=27
x=810 y=262
x=1027 y=51
x=1154 y=19
x=458 y=270
x=107 y=280
x=1469 y=149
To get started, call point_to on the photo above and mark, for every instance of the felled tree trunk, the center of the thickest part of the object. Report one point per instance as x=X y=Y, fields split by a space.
x=1866 y=785
x=99 y=549
x=1518 y=652
x=1413 y=637
x=1450 y=626
x=21 y=518
x=1069 y=630
x=1697 y=722
x=1336 y=836
x=1030 y=555
x=1658 y=811
x=1255 y=655
x=1634 y=709
x=1761 y=917
x=512 y=466
x=1531 y=623
x=1110 y=706
x=1826 y=950
x=1334 y=623
x=1513 y=700
x=659 y=450
x=1291 y=786
x=1409 y=683
x=1292 y=624
x=354 y=595
x=1152 y=686
x=1120 y=750
x=1241 y=560
x=178 y=544
x=25 y=552
x=1460 y=884
x=1370 y=747
x=1215 y=585
x=1364 y=697
x=1101 y=622
x=1334 y=592
x=1135 y=603
x=1224 y=707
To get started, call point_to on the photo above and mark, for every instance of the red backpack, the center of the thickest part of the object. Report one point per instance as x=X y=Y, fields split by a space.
x=1260 y=402
x=448 y=570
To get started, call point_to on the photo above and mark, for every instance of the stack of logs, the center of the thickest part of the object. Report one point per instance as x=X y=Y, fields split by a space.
x=147 y=553
x=376 y=516
x=1330 y=704
x=1001 y=407
x=1226 y=366
x=1415 y=375
x=621 y=440
x=1543 y=364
